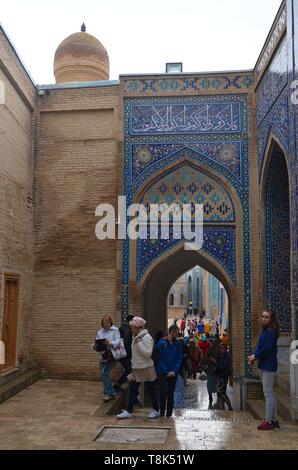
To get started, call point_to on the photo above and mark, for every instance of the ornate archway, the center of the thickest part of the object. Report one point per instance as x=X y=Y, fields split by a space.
x=157 y=282
x=276 y=234
x=159 y=263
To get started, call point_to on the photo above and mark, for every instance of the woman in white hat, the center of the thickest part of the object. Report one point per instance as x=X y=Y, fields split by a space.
x=143 y=370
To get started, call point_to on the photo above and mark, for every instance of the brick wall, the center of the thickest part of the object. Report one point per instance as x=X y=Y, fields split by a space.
x=74 y=275
x=16 y=184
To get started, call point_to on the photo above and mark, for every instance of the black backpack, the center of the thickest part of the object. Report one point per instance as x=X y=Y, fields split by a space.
x=155 y=354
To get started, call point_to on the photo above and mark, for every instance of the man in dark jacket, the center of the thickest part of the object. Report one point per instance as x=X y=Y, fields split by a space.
x=222 y=373
x=211 y=362
x=126 y=334
x=169 y=364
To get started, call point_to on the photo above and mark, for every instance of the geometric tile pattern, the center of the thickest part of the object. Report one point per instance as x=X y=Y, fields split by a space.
x=186 y=185
x=276 y=122
x=278 y=240
x=218 y=241
x=227 y=154
x=273 y=82
x=179 y=85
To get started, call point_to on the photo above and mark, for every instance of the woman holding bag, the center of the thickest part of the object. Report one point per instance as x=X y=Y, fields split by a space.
x=107 y=339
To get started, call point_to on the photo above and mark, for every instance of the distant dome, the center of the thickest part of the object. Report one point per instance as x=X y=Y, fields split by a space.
x=81 y=58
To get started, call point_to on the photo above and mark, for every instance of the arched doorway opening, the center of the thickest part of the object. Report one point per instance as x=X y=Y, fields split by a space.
x=157 y=285
x=159 y=263
x=156 y=294
x=276 y=239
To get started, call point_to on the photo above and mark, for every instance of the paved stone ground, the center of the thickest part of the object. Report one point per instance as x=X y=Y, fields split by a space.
x=54 y=414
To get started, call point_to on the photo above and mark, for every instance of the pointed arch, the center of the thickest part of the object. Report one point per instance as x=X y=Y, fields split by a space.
x=272 y=140
x=275 y=232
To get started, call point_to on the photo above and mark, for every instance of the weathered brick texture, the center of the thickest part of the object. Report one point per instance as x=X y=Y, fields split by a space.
x=16 y=187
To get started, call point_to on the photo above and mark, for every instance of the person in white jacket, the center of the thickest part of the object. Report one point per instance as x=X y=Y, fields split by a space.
x=143 y=370
x=109 y=335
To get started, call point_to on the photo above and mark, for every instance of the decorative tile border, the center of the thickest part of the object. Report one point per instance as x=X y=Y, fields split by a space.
x=226 y=153
x=278 y=30
x=133 y=86
x=219 y=242
x=208 y=117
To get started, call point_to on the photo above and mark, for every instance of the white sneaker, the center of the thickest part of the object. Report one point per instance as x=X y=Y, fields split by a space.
x=154 y=414
x=107 y=398
x=124 y=415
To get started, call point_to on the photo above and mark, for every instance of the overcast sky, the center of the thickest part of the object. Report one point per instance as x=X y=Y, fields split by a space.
x=142 y=35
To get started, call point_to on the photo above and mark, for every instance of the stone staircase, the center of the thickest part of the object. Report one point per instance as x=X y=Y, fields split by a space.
x=282 y=390
x=14 y=382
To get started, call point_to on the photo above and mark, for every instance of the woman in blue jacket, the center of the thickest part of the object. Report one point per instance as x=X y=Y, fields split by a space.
x=266 y=354
x=169 y=363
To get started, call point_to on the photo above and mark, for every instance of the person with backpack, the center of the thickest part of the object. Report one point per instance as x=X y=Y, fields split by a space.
x=170 y=361
x=155 y=353
x=204 y=345
x=266 y=354
x=195 y=355
x=222 y=373
x=143 y=370
x=211 y=361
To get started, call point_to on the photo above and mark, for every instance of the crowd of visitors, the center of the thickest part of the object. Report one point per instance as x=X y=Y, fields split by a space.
x=164 y=364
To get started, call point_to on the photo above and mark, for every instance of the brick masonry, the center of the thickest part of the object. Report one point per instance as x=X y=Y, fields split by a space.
x=74 y=275
x=17 y=132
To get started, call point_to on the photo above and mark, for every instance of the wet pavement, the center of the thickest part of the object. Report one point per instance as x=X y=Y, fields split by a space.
x=53 y=414
x=196 y=395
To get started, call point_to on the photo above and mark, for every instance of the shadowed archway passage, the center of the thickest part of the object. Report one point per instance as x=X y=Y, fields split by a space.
x=159 y=281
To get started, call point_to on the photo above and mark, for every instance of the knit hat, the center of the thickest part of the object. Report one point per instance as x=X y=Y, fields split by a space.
x=204 y=338
x=138 y=322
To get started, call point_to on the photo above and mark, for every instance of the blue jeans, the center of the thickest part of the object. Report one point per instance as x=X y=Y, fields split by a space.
x=267 y=379
x=105 y=370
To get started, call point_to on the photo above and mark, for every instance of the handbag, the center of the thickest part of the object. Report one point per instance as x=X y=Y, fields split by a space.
x=107 y=355
x=120 y=352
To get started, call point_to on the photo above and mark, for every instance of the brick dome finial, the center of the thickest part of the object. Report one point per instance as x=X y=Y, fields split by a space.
x=81 y=58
